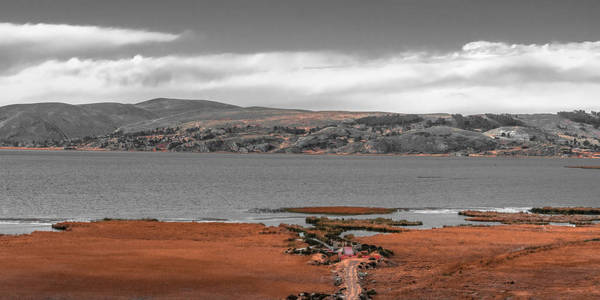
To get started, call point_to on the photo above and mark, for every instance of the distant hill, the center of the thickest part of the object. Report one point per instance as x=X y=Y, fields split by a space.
x=40 y=122
x=169 y=107
x=37 y=123
x=120 y=114
x=164 y=124
x=26 y=124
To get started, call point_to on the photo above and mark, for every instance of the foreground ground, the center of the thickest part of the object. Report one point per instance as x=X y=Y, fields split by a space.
x=500 y=262
x=154 y=260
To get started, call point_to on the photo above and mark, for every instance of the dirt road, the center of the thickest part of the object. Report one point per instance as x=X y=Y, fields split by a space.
x=349 y=272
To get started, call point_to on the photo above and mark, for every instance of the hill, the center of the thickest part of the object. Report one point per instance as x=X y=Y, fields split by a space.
x=207 y=126
x=48 y=122
x=169 y=107
x=40 y=123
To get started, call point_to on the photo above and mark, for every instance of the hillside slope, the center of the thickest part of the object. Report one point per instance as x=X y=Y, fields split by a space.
x=42 y=123
x=38 y=123
x=169 y=107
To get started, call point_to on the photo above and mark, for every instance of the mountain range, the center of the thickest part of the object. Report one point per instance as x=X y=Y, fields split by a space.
x=164 y=124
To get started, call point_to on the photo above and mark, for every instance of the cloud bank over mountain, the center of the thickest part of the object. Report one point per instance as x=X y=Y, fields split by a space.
x=482 y=76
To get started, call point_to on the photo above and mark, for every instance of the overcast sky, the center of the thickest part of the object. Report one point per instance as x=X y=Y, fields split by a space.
x=465 y=56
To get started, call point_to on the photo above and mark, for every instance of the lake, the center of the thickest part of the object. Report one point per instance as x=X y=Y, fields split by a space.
x=38 y=188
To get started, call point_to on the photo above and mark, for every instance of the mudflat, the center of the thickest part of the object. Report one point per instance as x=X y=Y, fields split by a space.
x=155 y=260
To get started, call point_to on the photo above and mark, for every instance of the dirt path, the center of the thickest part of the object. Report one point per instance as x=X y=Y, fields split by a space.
x=349 y=274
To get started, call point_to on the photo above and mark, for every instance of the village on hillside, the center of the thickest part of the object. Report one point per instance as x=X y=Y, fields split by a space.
x=569 y=134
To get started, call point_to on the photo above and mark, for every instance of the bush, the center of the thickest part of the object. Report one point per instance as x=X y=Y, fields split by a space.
x=505 y=119
x=473 y=122
x=389 y=120
x=438 y=122
x=580 y=116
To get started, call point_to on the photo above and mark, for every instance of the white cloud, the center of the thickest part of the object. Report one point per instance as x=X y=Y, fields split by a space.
x=62 y=37
x=481 y=77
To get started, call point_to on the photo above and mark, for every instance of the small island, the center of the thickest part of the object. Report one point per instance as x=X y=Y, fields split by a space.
x=341 y=210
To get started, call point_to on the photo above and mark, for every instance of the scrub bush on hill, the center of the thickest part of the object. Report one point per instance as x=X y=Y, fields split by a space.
x=473 y=122
x=438 y=122
x=580 y=116
x=389 y=120
x=505 y=120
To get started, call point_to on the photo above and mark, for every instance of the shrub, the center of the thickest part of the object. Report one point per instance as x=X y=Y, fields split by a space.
x=505 y=119
x=580 y=116
x=473 y=122
x=389 y=120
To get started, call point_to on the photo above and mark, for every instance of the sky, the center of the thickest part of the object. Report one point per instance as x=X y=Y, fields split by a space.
x=412 y=56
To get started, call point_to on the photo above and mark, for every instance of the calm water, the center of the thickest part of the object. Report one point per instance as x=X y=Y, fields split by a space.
x=38 y=188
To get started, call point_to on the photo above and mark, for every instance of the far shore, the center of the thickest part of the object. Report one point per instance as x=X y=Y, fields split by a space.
x=478 y=155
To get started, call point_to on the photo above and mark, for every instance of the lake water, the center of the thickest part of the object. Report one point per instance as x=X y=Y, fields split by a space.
x=38 y=188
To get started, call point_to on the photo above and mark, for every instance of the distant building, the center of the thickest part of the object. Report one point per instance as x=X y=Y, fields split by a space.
x=348 y=251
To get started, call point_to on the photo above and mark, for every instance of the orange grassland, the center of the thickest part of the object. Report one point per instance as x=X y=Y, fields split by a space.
x=498 y=262
x=155 y=260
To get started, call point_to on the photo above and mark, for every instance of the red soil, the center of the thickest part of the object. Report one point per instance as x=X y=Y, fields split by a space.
x=341 y=210
x=499 y=262
x=143 y=259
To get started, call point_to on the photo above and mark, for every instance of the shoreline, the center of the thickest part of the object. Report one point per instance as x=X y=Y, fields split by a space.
x=426 y=217
x=474 y=155
x=160 y=260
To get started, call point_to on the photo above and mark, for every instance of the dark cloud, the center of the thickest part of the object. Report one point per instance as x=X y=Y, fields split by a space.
x=402 y=55
x=483 y=75
x=377 y=27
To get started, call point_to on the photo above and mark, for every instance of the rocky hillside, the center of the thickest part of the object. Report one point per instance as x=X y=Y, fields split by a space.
x=207 y=126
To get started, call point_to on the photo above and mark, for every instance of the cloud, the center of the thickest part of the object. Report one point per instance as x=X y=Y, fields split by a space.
x=43 y=38
x=480 y=77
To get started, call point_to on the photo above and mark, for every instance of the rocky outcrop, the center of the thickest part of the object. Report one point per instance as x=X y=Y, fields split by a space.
x=331 y=138
x=521 y=135
x=439 y=139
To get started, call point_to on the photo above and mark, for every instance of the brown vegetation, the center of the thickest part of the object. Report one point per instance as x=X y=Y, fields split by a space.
x=378 y=224
x=584 y=167
x=497 y=262
x=566 y=210
x=526 y=218
x=143 y=260
x=146 y=259
x=341 y=210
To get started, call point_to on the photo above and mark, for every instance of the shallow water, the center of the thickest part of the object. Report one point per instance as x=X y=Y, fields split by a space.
x=36 y=186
